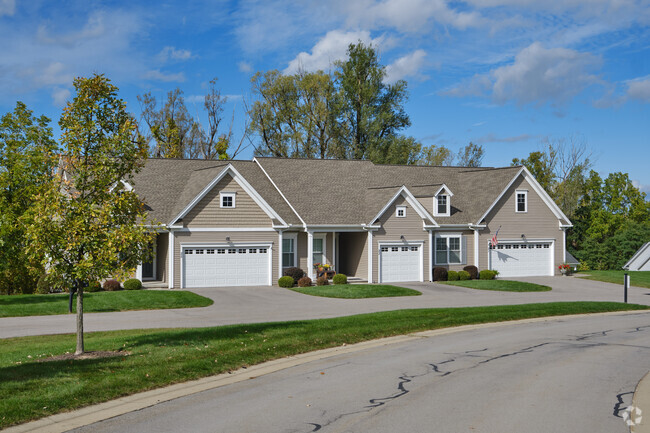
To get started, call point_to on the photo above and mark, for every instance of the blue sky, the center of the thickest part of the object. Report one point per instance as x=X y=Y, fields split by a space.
x=507 y=74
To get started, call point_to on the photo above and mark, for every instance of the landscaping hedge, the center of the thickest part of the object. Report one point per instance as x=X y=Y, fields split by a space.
x=287 y=282
x=340 y=279
x=132 y=284
x=439 y=274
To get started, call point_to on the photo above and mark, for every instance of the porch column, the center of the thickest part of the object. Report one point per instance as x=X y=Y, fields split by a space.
x=310 y=254
x=431 y=253
x=476 y=245
x=170 y=262
x=280 y=247
x=138 y=272
x=334 y=251
x=371 y=253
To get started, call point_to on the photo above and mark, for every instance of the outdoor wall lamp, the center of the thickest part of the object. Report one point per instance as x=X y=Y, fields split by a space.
x=523 y=236
x=402 y=237
x=228 y=238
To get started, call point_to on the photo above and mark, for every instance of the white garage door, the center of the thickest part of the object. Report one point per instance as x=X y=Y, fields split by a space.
x=232 y=266
x=400 y=263
x=527 y=259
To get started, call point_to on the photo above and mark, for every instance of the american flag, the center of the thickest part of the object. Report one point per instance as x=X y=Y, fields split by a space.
x=494 y=238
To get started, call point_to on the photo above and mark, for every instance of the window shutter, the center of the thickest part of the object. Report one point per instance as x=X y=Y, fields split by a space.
x=463 y=259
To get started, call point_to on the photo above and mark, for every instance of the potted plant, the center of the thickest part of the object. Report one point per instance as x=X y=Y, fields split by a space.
x=565 y=269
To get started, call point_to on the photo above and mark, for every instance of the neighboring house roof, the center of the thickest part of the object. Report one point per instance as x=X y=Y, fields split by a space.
x=571 y=260
x=326 y=192
x=638 y=256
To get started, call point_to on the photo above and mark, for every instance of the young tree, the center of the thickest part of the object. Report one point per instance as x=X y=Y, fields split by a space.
x=89 y=224
x=27 y=151
x=368 y=112
x=436 y=155
x=471 y=155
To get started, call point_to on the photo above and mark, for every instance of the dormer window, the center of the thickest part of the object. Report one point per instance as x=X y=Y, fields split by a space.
x=400 y=212
x=521 y=205
x=442 y=201
x=227 y=200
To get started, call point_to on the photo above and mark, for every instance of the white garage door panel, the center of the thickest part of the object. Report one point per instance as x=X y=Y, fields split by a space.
x=400 y=263
x=522 y=259
x=218 y=267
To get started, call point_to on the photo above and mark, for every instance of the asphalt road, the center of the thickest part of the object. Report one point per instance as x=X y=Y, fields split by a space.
x=564 y=375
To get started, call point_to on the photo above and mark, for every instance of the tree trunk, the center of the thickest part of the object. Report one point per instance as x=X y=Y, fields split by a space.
x=80 y=319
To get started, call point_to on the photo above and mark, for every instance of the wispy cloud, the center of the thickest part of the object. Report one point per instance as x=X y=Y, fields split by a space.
x=174 y=54
x=493 y=138
x=157 y=75
x=244 y=67
x=7 y=7
x=409 y=65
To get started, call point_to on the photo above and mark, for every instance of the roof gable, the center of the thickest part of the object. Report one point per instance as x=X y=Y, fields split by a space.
x=410 y=199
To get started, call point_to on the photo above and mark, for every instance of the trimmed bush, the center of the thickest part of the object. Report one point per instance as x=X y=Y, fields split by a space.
x=112 y=285
x=94 y=286
x=472 y=271
x=287 y=282
x=439 y=274
x=132 y=284
x=452 y=276
x=463 y=275
x=487 y=274
x=295 y=273
x=340 y=279
x=322 y=281
x=304 y=282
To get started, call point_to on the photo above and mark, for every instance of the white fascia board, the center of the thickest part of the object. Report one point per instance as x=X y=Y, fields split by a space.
x=245 y=186
x=446 y=188
x=403 y=191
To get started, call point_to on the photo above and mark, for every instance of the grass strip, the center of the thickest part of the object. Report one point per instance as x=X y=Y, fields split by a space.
x=356 y=291
x=637 y=278
x=32 y=389
x=500 y=285
x=124 y=300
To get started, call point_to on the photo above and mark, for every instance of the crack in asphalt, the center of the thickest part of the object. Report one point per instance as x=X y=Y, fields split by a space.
x=405 y=379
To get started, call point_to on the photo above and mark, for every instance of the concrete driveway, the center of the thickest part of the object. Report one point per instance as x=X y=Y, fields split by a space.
x=267 y=304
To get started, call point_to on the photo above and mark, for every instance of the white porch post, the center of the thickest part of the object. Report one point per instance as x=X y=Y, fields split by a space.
x=371 y=253
x=476 y=244
x=280 y=254
x=170 y=262
x=138 y=272
x=431 y=252
x=334 y=251
x=310 y=254
x=563 y=245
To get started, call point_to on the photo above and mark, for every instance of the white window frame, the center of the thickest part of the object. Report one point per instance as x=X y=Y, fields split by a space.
x=435 y=205
x=446 y=236
x=293 y=237
x=222 y=195
x=525 y=194
x=397 y=211
x=322 y=236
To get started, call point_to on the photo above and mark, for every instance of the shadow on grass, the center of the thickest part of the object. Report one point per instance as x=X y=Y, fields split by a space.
x=31 y=299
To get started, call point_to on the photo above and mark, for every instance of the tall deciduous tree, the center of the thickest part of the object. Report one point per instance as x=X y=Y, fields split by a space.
x=368 y=111
x=27 y=157
x=471 y=155
x=89 y=224
x=436 y=155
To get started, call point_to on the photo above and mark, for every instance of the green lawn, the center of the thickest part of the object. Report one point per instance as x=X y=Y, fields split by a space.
x=500 y=285
x=154 y=358
x=637 y=278
x=40 y=305
x=356 y=291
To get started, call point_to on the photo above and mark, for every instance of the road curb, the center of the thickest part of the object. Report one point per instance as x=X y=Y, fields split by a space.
x=63 y=422
x=641 y=400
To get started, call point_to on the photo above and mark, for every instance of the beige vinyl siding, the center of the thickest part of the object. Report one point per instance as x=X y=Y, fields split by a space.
x=184 y=238
x=538 y=222
x=302 y=249
x=353 y=254
x=162 y=255
x=392 y=227
x=209 y=213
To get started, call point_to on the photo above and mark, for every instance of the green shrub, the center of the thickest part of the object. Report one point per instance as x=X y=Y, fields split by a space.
x=112 y=285
x=322 y=281
x=132 y=284
x=487 y=274
x=472 y=271
x=340 y=279
x=464 y=275
x=94 y=286
x=439 y=274
x=295 y=273
x=304 y=282
x=286 y=282
x=452 y=276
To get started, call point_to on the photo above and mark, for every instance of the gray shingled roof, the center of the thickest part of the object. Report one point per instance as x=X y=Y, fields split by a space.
x=336 y=192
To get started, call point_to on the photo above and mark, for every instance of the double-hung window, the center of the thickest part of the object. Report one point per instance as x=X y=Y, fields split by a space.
x=448 y=250
x=522 y=202
x=289 y=251
x=319 y=250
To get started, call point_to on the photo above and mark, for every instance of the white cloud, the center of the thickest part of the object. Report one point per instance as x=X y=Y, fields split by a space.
x=493 y=138
x=331 y=47
x=244 y=67
x=537 y=75
x=406 y=66
x=171 y=53
x=54 y=73
x=639 y=89
x=641 y=187
x=60 y=96
x=94 y=28
x=157 y=75
x=7 y=7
